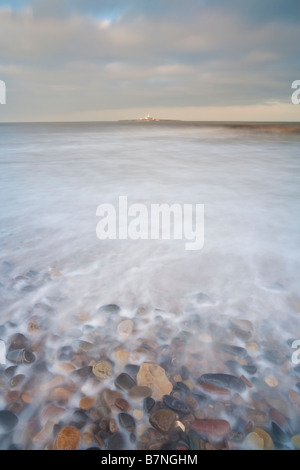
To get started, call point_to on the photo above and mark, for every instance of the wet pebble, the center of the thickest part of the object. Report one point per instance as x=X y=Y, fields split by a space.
x=163 y=420
x=127 y=422
x=122 y=404
x=68 y=438
x=148 y=404
x=217 y=428
x=102 y=370
x=154 y=376
x=279 y=434
x=234 y=350
x=8 y=420
x=124 y=382
x=110 y=308
x=86 y=403
x=176 y=405
x=125 y=328
x=116 y=442
x=259 y=439
x=275 y=356
x=224 y=380
x=138 y=392
x=52 y=413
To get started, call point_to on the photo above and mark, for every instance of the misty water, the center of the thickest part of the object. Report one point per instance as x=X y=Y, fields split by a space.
x=54 y=269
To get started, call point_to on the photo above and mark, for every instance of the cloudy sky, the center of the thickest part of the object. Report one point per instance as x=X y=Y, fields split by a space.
x=81 y=60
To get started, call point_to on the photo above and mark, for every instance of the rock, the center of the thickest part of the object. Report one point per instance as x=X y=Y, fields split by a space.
x=17 y=380
x=52 y=413
x=82 y=346
x=124 y=382
x=193 y=440
x=148 y=404
x=112 y=426
x=296 y=441
x=235 y=436
x=109 y=397
x=252 y=347
x=294 y=397
x=60 y=394
x=20 y=356
x=138 y=414
x=121 y=357
x=45 y=434
x=68 y=438
x=54 y=382
x=176 y=405
x=116 y=442
x=125 y=328
x=18 y=341
x=246 y=381
x=216 y=428
x=110 y=308
x=122 y=404
x=65 y=367
x=102 y=370
x=163 y=420
x=214 y=390
x=250 y=369
x=8 y=420
x=127 y=422
x=259 y=418
x=86 y=403
x=279 y=418
x=224 y=380
x=138 y=392
x=271 y=381
x=259 y=439
x=131 y=369
x=88 y=437
x=279 y=434
x=191 y=402
x=275 y=356
x=152 y=375
x=234 y=350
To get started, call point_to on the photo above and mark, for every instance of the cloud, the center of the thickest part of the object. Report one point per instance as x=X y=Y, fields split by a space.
x=64 y=57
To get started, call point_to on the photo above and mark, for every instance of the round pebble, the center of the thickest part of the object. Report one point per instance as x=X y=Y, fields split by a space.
x=86 y=403
x=68 y=438
x=102 y=370
x=125 y=328
x=8 y=420
x=271 y=381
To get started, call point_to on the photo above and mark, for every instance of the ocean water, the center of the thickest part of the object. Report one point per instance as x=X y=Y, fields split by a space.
x=54 y=176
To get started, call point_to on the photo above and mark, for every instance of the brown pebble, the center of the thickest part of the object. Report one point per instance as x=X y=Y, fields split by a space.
x=137 y=392
x=88 y=438
x=214 y=427
x=163 y=420
x=112 y=426
x=246 y=381
x=108 y=397
x=99 y=441
x=214 y=390
x=271 y=381
x=54 y=382
x=11 y=396
x=52 y=413
x=60 y=394
x=122 y=404
x=26 y=398
x=191 y=402
x=17 y=380
x=68 y=438
x=86 y=403
x=65 y=367
x=294 y=397
x=260 y=418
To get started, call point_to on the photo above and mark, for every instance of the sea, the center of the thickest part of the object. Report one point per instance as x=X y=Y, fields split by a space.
x=55 y=272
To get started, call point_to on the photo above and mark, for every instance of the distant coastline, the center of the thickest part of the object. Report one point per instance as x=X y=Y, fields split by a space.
x=149 y=119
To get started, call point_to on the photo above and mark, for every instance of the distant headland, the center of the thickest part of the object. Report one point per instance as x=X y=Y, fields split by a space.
x=149 y=119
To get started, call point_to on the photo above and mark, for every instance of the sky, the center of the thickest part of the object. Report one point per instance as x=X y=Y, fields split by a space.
x=105 y=60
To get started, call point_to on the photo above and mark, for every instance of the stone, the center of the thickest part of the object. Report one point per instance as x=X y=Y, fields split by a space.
x=127 y=422
x=20 y=356
x=116 y=442
x=45 y=434
x=138 y=414
x=60 y=394
x=86 y=403
x=148 y=404
x=250 y=369
x=131 y=369
x=17 y=380
x=214 y=390
x=234 y=350
x=88 y=437
x=259 y=439
x=163 y=420
x=65 y=367
x=109 y=397
x=275 y=356
x=279 y=434
x=260 y=418
x=193 y=440
x=68 y=438
x=18 y=341
x=54 y=382
x=235 y=436
x=122 y=404
x=279 y=418
x=8 y=420
x=138 y=392
x=246 y=381
x=121 y=357
x=112 y=426
x=271 y=381
x=52 y=413
x=152 y=375
x=296 y=441
x=252 y=347
x=176 y=405
x=109 y=308
x=224 y=380
x=191 y=402
x=294 y=397
x=216 y=428
x=124 y=382
x=102 y=370
x=125 y=328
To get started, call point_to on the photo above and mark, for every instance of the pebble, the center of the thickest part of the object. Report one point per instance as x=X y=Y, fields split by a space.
x=45 y=434
x=8 y=420
x=125 y=328
x=102 y=370
x=68 y=438
x=138 y=414
x=154 y=376
x=122 y=404
x=214 y=390
x=294 y=397
x=260 y=418
x=109 y=397
x=275 y=356
x=296 y=441
x=52 y=413
x=279 y=434
x=116 y=442
x=121 y=357
x=124 y=382
x=234 y=350
x=193 y=440
x=224 y=380
x=18 y=341
x=60 y=394
x=176 y=405
x=139 y=392
x=109 y=308
x=54 y=382
x=112 y=426
x=148 y=404
x=86 y=403
x=271 y=381
x=252 y=347
x=88 y=437
x=250 y=369
x=163 y=420
x=217 y=428
x=17 y=380
x=127 y=422
x=65 y=367
x=259 y=439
